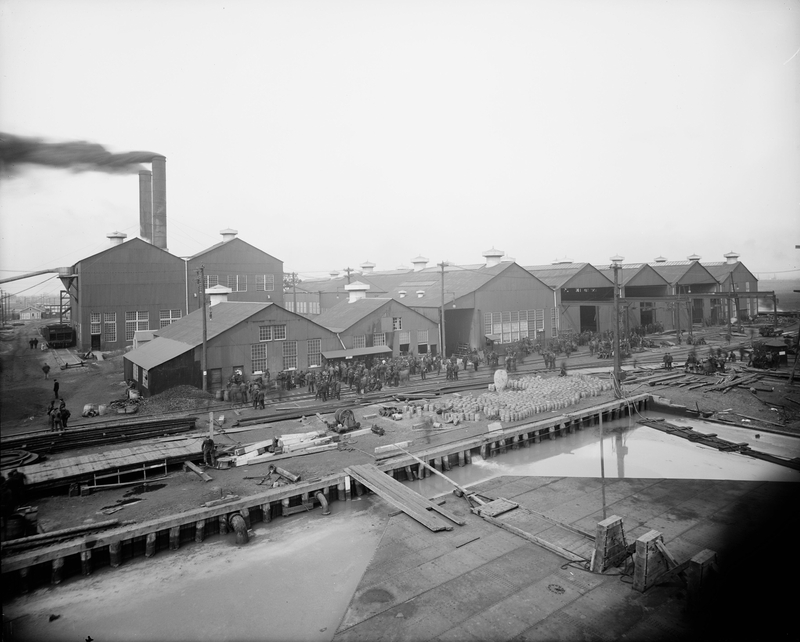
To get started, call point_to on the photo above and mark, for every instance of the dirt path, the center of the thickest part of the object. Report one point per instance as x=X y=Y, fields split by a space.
x=26 y=393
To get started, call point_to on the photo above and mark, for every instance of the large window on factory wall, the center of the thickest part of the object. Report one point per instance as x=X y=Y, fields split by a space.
x=165 y=317
x=134 y=321
x=272 y=333
x=360 y=341
x=211 y=280
x=258 y=357
x=512 y=325
x=315 y=352
x=94 y=320
x=110 y=327
x=237 y=282
x=265 y=282
x=422 y=341
x=379 y=339
x=405 y=342
x=289 y=355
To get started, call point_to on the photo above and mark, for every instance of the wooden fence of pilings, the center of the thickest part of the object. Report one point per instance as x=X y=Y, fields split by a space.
x=51 y=564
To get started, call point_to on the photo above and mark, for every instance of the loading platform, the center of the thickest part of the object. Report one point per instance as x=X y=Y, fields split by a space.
x=36 y=566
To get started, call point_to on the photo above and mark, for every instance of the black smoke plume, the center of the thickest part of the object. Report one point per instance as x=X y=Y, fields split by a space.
x=76 y=156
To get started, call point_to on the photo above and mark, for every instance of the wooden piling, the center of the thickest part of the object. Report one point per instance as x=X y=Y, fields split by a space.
x=115 y=553
x=462 y=458
x=174 y=538
x=57 y=568
x=347 y=491
x=266 y=513
x=446 y=462
x=23 y=580
x=409 y=474
x=86 y=562
x=483 y=451
x=359 y=488
x=340 y=491
x=150 y=545
x=551 y=433
x=223 y=525
x=537 y=436
x=468 y=456
x=199 y=531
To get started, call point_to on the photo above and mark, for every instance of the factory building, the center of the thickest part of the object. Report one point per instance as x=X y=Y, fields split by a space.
x=138 y=285
x=364 y=322
x=251 y=337
x=493 y=303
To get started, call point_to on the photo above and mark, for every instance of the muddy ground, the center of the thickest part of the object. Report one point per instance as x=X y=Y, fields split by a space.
x=26 y=394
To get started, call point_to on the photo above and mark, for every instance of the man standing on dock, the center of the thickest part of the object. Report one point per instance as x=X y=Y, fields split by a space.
x=55 y=388
x=209 y=456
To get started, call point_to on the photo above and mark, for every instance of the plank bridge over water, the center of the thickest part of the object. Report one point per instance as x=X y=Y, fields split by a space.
x=403 y=498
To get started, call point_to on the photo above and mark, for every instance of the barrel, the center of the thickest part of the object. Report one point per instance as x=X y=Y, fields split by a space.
x=101 y=409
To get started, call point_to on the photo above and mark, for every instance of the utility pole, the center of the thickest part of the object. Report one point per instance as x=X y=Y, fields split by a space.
x=201 y=281
x=348 y=270
x=615 y=265
x=441 y=323
x=294 y=289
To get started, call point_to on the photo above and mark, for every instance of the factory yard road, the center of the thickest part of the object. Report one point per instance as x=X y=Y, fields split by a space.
x=25 y=393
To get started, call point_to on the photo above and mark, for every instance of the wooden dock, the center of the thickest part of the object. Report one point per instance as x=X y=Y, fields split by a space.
x=412 y=504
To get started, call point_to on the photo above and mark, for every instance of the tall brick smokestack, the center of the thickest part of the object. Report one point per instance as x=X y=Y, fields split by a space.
x=146 y=205
x=160 y=202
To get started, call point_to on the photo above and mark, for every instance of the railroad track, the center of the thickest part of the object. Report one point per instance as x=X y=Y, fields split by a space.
x=47 y=442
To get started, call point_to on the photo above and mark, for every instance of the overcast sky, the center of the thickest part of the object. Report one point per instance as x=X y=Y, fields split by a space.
x=330 y=133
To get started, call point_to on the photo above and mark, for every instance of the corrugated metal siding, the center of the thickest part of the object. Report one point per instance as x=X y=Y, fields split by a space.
x=134 y=276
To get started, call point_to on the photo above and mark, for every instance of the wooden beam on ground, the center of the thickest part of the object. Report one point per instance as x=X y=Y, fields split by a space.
x=197 y=471
x=561 y=552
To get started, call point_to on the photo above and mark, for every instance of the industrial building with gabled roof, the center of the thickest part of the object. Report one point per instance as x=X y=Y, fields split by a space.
x=138 y=285
x=364 y=322
x=251 y=337
x=495 y=302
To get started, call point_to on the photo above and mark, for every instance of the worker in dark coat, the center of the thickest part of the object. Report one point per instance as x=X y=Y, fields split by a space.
x=46 y=369
x=209 y=456
x=55 y=388
x=16 y=484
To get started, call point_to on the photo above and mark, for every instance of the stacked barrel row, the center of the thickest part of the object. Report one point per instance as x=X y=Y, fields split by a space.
x=529 y=396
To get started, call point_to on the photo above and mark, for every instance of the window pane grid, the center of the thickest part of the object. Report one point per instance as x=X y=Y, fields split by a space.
x=314 y=352
x=290 y=355
x=258 y=357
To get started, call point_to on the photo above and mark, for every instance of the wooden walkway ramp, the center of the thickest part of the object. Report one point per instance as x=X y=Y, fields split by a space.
x=412 y=504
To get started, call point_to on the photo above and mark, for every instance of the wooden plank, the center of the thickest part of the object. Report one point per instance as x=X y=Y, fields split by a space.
x=379 y=483
x=497 y=507
x=423 y=502
x=561 y=552
x=197 y=471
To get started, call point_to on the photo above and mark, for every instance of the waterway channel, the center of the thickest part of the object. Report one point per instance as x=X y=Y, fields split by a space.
x=295 y=578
